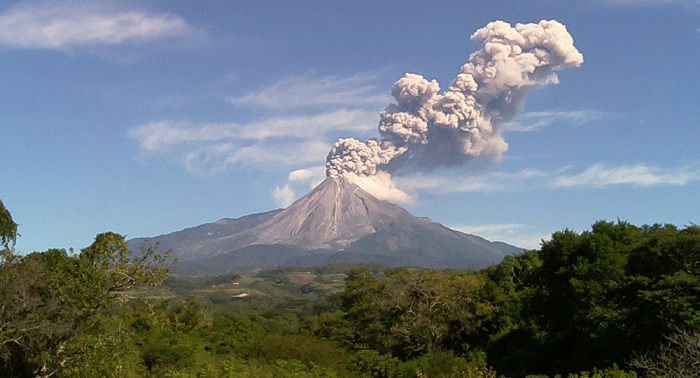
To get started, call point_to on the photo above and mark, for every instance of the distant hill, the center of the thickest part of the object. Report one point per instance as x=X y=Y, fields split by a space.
x=336 y=222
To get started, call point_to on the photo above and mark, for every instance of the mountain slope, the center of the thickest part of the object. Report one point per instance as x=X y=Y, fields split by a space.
x=196 y=239
x=331 y=216
x=335 y=222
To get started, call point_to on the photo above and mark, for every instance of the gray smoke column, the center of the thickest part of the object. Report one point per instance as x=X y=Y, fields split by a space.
x=464 y=121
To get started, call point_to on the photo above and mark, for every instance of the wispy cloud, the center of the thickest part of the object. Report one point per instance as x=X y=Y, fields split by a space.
x=283 y=196
x=217 y=157
x=156 y=136
x=55 y=26
x=315 y=111
x=309 y=91
x=516 y=234
x=490 y=182
x=534 y=121
x=312 y=126
x=599 y=176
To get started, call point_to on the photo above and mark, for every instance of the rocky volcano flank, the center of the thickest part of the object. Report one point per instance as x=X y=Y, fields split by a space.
x=332 y=216
x=336 y=222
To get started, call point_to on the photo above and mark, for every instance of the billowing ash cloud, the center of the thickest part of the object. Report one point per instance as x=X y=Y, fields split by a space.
x=434 y=129
x=351 y=155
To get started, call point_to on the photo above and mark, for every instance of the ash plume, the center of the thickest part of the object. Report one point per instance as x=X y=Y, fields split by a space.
x=361 y=158
x=436 y=129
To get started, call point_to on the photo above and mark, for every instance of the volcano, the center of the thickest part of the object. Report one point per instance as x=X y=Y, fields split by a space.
x=336 y=222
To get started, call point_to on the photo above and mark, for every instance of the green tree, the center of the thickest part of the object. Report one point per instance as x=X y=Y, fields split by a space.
x=371 y=364
x=8 y=233
x=411 y=312
x=594 y=298
x=570 y=313
x=8 y=228
x=663 y=292
x=47 y=299
x=191 y=316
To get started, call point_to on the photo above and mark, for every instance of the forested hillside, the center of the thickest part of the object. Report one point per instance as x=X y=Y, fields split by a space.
x=616 y=301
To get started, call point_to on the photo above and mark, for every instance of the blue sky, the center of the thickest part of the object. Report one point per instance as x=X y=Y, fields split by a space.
x=147 y=117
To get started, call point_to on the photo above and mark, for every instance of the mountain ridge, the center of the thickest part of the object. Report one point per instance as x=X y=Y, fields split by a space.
x=337 y=221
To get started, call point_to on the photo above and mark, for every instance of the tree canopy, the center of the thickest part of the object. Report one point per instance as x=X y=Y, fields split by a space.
x=8 y=228
x=49 y=299
x=611 y=302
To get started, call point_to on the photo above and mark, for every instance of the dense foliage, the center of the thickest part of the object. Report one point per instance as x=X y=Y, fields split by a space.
x=51 y=303
x=595 y=298
x=617 y=301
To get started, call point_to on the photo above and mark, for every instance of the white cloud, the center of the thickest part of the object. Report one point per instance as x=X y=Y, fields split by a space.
x=213 y=147
x=283 y=196
x=382 y=186
x=314 y=175
x=516 y=234
x=300 y=180
x=156 y=136
x=600 y=176
x=534 y=121
x=490 y=182
x=313 y=126
x=49 y=25
x=308 y=91
x=208 y=158
x=217 y=157
x=302 y=136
